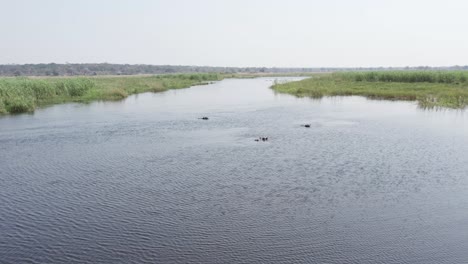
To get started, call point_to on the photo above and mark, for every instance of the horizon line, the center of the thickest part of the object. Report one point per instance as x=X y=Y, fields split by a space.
x=210 y=66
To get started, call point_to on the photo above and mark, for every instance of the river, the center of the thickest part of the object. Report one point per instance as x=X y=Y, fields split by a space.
x=144 y=180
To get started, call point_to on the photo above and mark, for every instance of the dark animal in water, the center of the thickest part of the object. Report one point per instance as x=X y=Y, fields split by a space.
x=306 y=125
x=262 y=139
x=204 y=118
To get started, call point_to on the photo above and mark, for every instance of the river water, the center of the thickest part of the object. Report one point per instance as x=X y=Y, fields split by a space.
x=145 y=181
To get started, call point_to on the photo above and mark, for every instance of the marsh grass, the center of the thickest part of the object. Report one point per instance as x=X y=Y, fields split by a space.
x=430 y=89
x=451 y=77
x=18 y=95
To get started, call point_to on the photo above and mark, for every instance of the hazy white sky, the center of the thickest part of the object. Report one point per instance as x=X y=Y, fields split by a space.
x=281 y=33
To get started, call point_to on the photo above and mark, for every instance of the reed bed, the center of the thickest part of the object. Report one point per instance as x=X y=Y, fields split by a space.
x=452 y=77
x=19 y=95
x=429 y=88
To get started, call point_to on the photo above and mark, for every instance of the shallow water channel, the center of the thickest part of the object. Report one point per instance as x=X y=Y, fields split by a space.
x=145 y=181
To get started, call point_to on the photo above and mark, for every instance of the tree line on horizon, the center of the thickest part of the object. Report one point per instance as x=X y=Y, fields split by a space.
x=91 y=69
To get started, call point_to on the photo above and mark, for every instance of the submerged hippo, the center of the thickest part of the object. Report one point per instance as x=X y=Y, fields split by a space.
x=203 y=118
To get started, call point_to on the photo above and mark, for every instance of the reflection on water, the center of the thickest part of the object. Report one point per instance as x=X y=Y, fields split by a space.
x=145 y=181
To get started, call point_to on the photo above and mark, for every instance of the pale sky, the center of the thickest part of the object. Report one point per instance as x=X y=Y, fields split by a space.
x=270 y=33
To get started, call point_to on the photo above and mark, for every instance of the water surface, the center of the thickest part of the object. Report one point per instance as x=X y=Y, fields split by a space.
x=145 y=181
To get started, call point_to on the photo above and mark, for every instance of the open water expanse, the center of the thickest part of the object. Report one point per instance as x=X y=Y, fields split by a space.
x=144 y=180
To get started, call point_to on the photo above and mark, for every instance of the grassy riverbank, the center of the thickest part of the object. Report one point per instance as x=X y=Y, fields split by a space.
x=430 y=89
x=18 y=95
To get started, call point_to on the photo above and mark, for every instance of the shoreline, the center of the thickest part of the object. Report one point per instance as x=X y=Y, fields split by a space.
x=429 y=89
x=25 y=94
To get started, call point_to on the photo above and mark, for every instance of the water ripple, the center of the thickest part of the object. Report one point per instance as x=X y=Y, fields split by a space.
x=148 y=182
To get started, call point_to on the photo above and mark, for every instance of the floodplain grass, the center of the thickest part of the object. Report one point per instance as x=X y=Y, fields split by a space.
x=19 y=95
x=430 y=89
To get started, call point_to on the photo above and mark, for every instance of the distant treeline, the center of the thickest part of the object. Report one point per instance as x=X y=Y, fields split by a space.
x=90 y=69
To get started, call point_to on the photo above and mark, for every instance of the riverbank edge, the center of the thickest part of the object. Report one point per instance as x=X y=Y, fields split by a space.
x=427 y=95
x=103 y=88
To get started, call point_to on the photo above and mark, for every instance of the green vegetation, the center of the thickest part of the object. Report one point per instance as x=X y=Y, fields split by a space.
x=430 y=88
x=18 y=95
x=407 y=77
x=258 y=75
x=92 y=69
